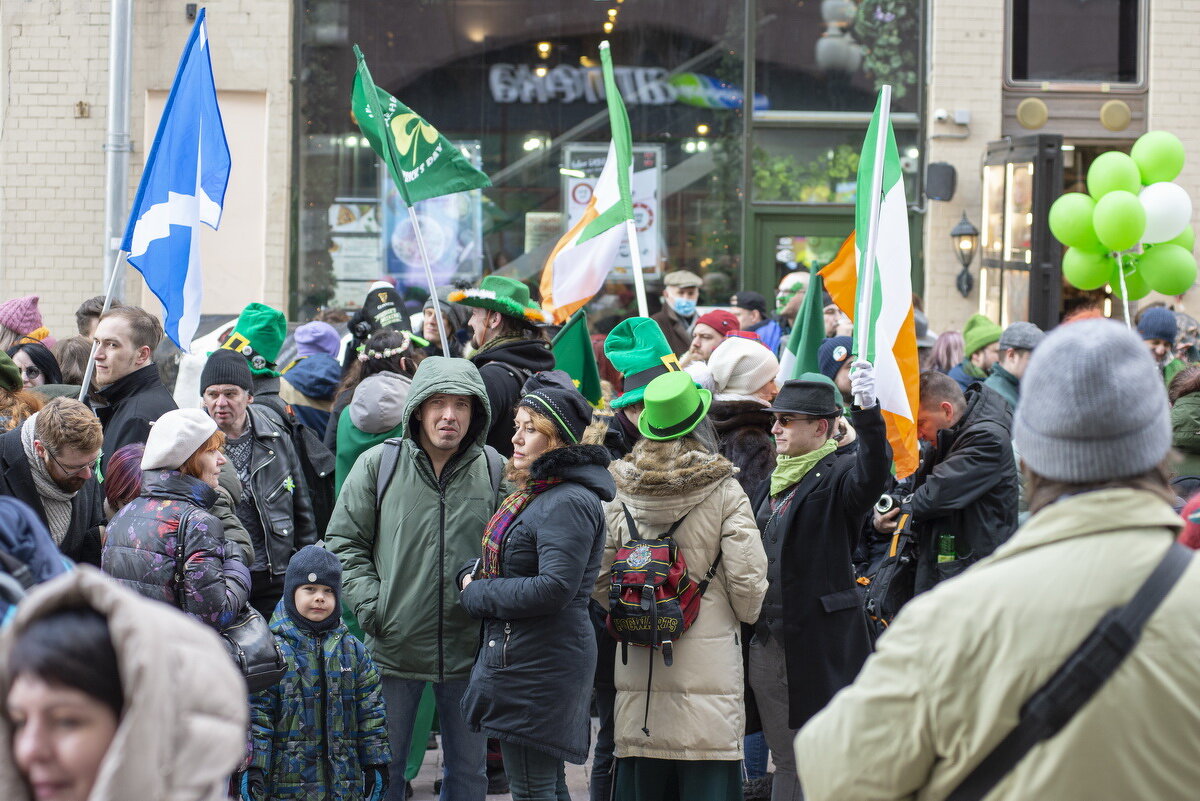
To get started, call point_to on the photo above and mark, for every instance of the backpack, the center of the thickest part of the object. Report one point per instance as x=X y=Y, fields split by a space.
x=892 y=585
x=652 y=600
x=391 y=457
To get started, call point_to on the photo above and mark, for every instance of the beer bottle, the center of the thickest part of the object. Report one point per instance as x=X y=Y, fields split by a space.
x=946 y=552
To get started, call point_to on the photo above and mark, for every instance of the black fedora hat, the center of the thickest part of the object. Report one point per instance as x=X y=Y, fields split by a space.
x=812 y=394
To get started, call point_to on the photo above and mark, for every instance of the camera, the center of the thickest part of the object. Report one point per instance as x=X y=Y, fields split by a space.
x=888 y=501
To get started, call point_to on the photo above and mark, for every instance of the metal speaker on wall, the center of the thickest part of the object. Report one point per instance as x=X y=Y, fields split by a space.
x=940 y=181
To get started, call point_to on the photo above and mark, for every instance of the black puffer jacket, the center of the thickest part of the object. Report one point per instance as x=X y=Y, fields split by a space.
x=532 y=679
x=967 y=487
x=127 y=407
x=505 y=369
x=744 y=428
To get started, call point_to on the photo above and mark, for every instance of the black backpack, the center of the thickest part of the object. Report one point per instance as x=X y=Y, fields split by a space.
x=893 y=584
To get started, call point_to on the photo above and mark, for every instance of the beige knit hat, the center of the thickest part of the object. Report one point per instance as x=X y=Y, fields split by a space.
x=741 y=367
x=174 y=437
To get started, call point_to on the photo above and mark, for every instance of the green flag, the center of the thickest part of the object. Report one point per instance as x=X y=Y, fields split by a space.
x=808 y=332
x=573 y=355
x=423 y=163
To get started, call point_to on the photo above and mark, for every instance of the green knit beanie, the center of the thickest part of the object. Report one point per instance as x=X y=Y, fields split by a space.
x=978 y=333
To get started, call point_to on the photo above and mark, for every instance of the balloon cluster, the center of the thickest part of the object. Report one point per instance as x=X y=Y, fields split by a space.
x=1132 y=218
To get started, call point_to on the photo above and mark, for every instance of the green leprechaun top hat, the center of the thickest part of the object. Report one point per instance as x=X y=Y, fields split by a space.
x=674 y=406
x=500 y=294
x=639 y=351
x=258 y=335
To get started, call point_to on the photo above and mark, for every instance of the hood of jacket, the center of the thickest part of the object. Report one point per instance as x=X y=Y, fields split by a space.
x=316 y=376
x=1185 y=424
x=437 y=374
x=533 y=355
x=672 y=468
x=379 y=402
x=175 y=486
x=183 y=728
x=582 y=464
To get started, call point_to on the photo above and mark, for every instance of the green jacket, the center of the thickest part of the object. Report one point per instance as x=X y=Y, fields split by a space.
x=1006 y=384
x=400 y=574
x=1171 y=369
x=1185 y=434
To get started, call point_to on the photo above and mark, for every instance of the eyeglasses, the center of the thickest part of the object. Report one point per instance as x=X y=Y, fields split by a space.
x=31 y=372
x=787 y=419
x=71 y=472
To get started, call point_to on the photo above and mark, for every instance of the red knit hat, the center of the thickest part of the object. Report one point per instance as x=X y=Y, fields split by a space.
x=721 y=321
x=21 y=314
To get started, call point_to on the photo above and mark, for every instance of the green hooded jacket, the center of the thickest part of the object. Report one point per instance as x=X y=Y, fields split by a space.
x=399 y=575
x=1185 y=433
x=1006 y=384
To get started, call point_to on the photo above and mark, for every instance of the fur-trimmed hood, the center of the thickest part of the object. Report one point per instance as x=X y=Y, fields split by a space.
x=582 y=464
x=669 y=468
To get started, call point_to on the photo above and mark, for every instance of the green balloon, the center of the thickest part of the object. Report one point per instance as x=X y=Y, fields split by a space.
x=1113 y=172
x=1136 y=287
x=1186 y=240
x=1158 y=155
x=1071 y=222
x=1168 y=269
x=1086 y=270
x=1119 y=220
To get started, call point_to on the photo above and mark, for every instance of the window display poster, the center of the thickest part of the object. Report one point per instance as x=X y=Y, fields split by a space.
x=582 y=164
x=451 y=226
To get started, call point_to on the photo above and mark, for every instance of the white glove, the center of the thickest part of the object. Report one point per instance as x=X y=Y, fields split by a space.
x=862 y=384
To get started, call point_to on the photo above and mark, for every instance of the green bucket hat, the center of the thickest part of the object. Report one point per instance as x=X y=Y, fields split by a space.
x=497 y=293
x=10 y=374
x=978 y=333
x=639 y=351
x=258 y=335
x=674 y=406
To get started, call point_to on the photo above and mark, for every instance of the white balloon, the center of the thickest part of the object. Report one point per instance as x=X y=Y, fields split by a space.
x=1168 y=211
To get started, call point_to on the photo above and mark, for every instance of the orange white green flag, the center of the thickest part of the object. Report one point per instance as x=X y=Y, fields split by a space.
x=886 y=336
x=579 y=264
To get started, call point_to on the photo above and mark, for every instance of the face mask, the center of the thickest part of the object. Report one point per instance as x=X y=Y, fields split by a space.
x=684 y=307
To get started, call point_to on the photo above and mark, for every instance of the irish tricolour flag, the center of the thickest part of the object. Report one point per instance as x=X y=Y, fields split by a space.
x=878 y=297
x=579 y=264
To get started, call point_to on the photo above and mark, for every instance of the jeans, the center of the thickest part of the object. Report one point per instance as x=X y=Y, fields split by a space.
x=534 y=775
x=463 y=750
x=755 y=763
x=768 y=679
x=602 y=758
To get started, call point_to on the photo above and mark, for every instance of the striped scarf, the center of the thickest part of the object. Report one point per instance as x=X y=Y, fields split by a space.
x=497 y=527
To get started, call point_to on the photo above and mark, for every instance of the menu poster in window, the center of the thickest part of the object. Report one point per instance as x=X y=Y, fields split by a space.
x=451 y=226
x=582 y=165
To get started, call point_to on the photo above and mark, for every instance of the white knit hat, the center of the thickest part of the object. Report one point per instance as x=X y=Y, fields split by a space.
x=741 y=367
x=174 y=437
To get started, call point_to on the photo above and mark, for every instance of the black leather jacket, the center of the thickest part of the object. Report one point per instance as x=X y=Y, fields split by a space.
x=279 y=492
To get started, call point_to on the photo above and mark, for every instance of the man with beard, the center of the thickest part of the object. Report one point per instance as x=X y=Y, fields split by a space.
x=49 y=462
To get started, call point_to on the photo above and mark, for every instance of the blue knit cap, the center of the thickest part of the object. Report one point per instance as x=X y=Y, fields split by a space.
x=1158 y=323
x=313 y=564
x=834 y=352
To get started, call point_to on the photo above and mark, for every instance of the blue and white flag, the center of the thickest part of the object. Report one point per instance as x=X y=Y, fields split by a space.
x=182 y=186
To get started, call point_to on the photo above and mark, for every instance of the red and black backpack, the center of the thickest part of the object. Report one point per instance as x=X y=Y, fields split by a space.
x=652 y=600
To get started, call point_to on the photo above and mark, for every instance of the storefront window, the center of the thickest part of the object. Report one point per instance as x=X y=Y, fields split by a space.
x=516 y=84
x=820 y=165
x=1103 y=45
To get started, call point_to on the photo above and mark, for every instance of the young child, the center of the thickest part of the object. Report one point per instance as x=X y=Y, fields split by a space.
x=320 y=734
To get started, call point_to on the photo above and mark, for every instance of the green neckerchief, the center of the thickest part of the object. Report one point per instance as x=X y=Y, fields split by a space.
x=973 y=371
x=790 y=469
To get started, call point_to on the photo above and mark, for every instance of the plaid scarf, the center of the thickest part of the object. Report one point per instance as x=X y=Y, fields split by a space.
x=497 y=527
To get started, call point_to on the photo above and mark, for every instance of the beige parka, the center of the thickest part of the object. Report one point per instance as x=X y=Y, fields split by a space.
x=696 y=704
x=950 y=675
x=183 y=729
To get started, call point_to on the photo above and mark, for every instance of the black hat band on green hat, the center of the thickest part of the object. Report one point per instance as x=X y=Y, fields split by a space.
x=643 y=377
x=240 y=344
x=681 y=427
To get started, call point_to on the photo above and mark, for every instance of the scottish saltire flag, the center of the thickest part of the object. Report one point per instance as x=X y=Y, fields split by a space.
x=579 y=264
x=182 y=186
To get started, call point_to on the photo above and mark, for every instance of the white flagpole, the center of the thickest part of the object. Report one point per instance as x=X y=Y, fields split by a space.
x=1124 y=290
x=866 y=274
x=437 y=302
x=639 y=280
x=108 y=296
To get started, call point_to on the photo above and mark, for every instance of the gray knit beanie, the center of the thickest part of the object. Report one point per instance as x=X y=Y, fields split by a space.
x=1093 y=406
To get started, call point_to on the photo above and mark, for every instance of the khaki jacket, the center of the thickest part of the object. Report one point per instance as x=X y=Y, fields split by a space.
x=183 y=730
x=696 y=705
x=950 y=675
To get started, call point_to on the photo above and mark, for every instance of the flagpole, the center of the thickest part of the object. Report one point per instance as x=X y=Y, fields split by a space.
x=1124 y=291
x=437 y=302
x=639 y=280
x=866 y=275
x=108 y=295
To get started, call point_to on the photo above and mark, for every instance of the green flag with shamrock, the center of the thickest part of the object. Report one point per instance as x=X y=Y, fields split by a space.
x=423 y=163
x=573 y=354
